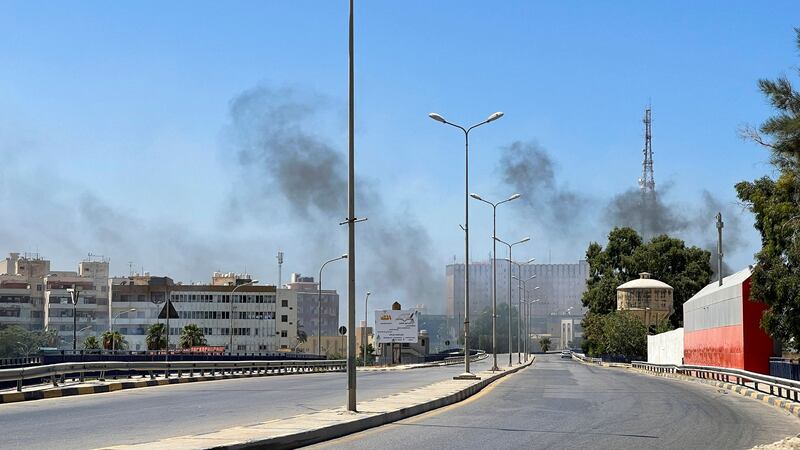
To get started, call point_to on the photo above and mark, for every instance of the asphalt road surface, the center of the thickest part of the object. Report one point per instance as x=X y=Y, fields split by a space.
x=564 y=404
x=148 y=414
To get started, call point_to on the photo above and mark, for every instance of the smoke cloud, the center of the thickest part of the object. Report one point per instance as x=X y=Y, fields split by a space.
x=289 y=165
x=529 y=169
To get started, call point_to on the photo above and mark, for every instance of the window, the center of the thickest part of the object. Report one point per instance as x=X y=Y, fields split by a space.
x=284 y=318
x=39 y=288
x=284 y=333
x=284 y=303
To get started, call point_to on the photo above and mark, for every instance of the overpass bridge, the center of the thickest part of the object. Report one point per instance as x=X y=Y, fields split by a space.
x=555 y=403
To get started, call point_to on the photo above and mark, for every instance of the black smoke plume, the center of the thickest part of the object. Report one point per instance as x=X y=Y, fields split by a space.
x=290 y=167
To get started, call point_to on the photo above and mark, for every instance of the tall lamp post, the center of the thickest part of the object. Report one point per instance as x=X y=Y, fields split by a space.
x=494 y=271
x=509 y=291
x=519 y=306
x=525 y=291
x=230 y=344
x=74 y=294
x=114 y=319
x=319 y=303
x=466 y=375
x=364 y=331
x=528 y=309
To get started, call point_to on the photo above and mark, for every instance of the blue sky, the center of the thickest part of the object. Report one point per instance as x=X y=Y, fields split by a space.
x=127 y=104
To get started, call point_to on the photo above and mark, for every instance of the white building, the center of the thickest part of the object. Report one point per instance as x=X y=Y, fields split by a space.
x=262 y=318
x=311 y=305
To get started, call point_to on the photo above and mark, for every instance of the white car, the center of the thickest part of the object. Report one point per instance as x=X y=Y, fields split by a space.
x=566 y=354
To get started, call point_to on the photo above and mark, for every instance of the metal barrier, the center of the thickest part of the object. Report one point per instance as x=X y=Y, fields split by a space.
x=57 y=372
x=584 y=358
x=781 y=387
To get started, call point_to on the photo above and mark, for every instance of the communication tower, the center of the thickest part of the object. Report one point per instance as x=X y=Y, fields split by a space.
x=647 y=183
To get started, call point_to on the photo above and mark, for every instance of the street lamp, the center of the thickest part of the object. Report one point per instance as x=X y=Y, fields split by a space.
x=230 y=345
x=74 y=293
x=319 y=303
x=519 y=303
x=510 y=269
x=525 y=291
x=494 y=271
x=466 y=375
x=364 y=331
x=114 y=319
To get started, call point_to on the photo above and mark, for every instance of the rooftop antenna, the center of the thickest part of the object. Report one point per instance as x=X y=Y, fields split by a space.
x=280 y=266
x=720 y=225
x=130 y=268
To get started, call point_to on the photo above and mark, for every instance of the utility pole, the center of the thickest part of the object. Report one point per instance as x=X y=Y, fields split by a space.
x=720 y=225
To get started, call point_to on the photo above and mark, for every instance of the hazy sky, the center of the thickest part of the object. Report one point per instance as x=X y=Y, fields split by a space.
x=168 y=134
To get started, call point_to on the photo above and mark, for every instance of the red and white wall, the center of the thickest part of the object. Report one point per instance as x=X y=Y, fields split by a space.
x=721 y=327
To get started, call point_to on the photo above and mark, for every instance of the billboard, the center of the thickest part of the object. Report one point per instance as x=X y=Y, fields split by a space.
x=396 y=326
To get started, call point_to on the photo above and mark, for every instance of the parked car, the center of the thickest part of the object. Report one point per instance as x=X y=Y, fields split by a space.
x=566 y=354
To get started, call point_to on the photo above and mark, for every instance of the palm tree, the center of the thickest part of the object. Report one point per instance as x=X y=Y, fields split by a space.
x=191 y=336
x=545 y=343
x=156 y=337
x=91 y=343
x=112 y=339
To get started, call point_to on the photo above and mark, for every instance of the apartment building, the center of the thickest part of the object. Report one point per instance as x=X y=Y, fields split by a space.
x=313 y=305
x=22 y=290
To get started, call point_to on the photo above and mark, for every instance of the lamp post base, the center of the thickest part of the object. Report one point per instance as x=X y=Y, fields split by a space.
x=466 y=376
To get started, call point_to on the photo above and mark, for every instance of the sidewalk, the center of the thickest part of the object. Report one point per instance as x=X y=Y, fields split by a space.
x=329 y=424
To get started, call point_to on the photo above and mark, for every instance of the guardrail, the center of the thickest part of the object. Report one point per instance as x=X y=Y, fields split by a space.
x=781 y=387
x=584 y=358
x=453 y=360
x=58 y=372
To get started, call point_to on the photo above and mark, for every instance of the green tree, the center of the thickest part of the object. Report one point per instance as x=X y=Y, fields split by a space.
x=545 y=343
x=668 y=259
x=113 y=340
x=16 y=341
x=91 y=343
x=624 y=334
x=776 y=276
x=192 y=336
x=156 y=337
x=480 y=334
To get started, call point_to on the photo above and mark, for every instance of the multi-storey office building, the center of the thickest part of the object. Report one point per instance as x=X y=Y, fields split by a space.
x=237 y=316
x=312 y=304
x=560 y=289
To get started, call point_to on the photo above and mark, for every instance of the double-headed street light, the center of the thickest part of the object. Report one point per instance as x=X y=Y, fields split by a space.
x=230 y=344
x=466 y=375
x=74 y=294
x=509 y=291
x=319 y=303
x=494 y=269
x=114 y=319
x=519 y=306
x=527 y=318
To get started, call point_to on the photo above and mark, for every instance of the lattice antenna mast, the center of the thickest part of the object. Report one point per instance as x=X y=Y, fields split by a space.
x=647 y=183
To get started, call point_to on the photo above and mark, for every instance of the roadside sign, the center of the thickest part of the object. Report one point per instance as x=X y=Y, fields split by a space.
x=396 y=326
x=172 y=313
x=342 y=330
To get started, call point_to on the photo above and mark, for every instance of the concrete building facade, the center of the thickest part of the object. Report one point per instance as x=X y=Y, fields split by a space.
x=561 y=287
x=648 y=299
x=231 y=312
x=22 y=290
x=309 y=304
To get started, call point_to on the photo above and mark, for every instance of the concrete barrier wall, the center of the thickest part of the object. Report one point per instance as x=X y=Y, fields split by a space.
x=666 y=348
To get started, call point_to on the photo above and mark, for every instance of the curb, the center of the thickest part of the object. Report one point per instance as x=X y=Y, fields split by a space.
x=56 y=392
x=419 y=366
x=324 y=432
x=789 y=406
x=336 y=431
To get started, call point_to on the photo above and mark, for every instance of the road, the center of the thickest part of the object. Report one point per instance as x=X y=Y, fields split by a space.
x=147 y=414
x=568 y=405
